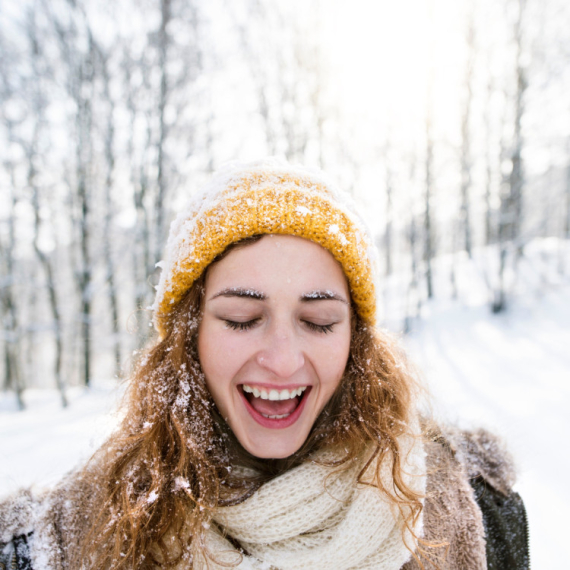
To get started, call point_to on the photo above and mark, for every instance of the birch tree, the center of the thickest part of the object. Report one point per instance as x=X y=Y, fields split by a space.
x=38 y=101
x=511 y=207
x=109 y=145
x=466 y=135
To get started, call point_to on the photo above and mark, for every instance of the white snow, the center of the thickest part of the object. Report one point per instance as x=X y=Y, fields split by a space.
x=303 y=210
x=42 y=443
x=511 y=373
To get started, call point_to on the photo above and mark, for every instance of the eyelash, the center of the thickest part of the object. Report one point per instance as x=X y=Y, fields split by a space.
x=319 y=328
x=239 y=326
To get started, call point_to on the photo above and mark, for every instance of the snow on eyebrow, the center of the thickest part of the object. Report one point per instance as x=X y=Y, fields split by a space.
x=240 y=292
x=323 y=296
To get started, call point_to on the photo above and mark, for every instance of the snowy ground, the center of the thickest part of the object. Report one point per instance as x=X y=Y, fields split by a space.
x=40 y=444
x=510 y=373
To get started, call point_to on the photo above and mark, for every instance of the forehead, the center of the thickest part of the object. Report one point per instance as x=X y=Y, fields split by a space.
x=281 y=263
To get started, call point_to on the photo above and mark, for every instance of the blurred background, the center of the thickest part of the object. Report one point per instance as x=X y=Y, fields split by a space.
x=448 y=120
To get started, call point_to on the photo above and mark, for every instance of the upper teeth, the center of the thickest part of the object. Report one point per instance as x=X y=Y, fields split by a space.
x=273 y=394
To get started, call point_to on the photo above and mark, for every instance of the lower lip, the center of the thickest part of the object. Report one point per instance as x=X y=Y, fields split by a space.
x=281 y=423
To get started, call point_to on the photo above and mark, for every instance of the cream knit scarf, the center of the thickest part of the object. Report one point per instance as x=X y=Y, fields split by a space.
x=312 y=518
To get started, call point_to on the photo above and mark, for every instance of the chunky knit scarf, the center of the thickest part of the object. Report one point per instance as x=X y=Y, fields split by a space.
x=314 y=517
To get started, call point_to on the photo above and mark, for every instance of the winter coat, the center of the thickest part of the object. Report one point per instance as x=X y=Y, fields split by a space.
x=470 y=506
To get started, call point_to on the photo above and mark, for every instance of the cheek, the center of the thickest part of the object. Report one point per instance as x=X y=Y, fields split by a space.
x=221 y=353
x=332 y=361
x=210 y=350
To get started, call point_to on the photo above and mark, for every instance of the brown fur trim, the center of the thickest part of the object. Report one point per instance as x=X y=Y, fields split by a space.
x=483 y=454
x=451 y=516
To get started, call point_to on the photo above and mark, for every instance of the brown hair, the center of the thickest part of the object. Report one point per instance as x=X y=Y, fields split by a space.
x=170 y=464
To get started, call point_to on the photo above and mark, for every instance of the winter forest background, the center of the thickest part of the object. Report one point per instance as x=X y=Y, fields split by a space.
x=448 y=120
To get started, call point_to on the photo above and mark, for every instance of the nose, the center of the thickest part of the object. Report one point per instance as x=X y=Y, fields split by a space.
x=281 y=353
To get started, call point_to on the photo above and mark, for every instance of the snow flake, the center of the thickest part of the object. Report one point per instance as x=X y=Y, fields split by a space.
x=152 y=496
x=335 y=231
x=181 y=483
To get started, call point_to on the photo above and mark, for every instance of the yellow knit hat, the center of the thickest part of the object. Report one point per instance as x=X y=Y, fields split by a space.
x=268 y=197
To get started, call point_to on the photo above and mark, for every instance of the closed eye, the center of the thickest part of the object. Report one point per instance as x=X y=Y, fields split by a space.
x=319 y=328
x=240 y=326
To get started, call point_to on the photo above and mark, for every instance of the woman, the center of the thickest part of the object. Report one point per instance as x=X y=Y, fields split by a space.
x=272 y=425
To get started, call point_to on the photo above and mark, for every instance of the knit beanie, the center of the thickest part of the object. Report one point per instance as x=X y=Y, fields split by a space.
x=266 y=197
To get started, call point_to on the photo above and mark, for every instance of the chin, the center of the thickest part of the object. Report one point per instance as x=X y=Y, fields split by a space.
x=272 y=449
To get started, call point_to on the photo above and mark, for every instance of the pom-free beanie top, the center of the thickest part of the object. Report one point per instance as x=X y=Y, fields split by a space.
x=266 y=197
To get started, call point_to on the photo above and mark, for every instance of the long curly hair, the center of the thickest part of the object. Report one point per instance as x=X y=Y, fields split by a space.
x=170 y=463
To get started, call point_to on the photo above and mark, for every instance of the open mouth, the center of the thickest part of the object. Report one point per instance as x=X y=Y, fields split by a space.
x=274 y=408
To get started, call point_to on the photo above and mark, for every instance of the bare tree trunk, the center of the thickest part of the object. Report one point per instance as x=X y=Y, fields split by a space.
x=413 y=299
x=500 y=300
x=466 y=164
x=455 y=231
x=12 y=335
x=45 y=262
x=141 y=252
x=83 y=125
x=488 y=168
x=516 y=179
x=142 y=261
x=562 y=257
x=108 y=223
x=80 y=84
x=85 y=279
x=428 y=237
x=567 y=210
x=163 y=42
x=511 y=210
x=388 y=229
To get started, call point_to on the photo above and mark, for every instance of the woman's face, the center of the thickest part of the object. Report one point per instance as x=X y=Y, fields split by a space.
x=274 y=340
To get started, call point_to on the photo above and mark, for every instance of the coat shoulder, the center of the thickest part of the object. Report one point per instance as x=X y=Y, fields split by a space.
x=481 y=459
x=483 y=455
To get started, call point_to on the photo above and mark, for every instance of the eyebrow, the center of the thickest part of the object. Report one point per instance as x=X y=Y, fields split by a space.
x=240 y=292
x=322 y=296
x=259 y=296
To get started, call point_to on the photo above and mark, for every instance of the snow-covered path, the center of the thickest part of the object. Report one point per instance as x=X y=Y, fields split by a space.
x=510 y=373
x=42 y=443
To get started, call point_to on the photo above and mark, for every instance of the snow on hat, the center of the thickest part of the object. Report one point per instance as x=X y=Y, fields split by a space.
x=266 y=197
